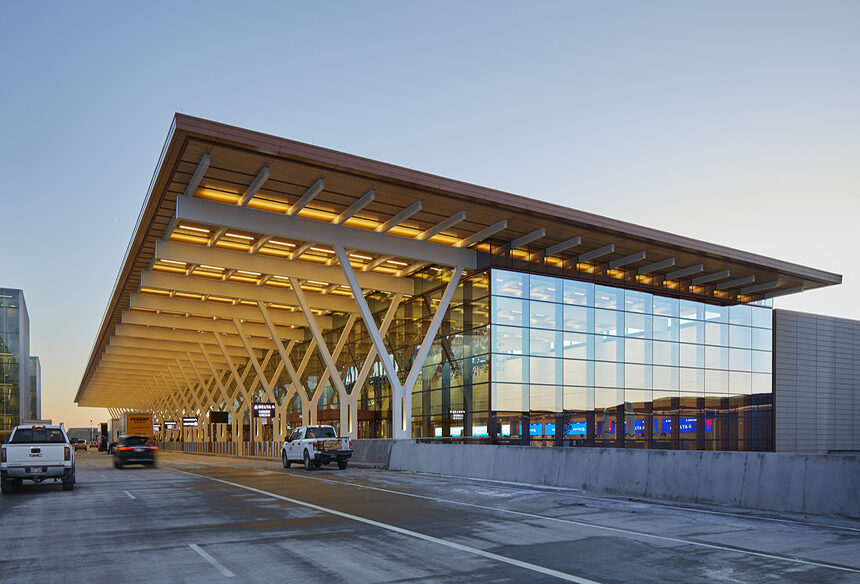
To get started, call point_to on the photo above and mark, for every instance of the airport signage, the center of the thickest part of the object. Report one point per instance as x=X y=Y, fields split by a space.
x=264 y=410
x=189 y=422
x=156 y=427
x=219 y=417
x=169 y=424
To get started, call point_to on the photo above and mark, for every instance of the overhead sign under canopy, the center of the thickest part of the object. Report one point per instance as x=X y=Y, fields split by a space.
x=156 y=427
x=169 y=424
x=189 y=422
x=264 y=410
x=219 y=417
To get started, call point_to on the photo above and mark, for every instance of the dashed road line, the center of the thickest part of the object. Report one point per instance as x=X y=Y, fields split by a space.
x=130 y=496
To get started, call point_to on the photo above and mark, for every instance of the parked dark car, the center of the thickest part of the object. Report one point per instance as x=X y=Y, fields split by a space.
x=134 y=450
x=79 y=444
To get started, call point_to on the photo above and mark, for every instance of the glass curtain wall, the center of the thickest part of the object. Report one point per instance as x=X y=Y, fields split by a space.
x=14 y=349
x=581 y=364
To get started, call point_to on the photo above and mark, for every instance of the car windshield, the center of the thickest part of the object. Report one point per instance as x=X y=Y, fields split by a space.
x=134 y=440
x=324 y=432
x=38 y=436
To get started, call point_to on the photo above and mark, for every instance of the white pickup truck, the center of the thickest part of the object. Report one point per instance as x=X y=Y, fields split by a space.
x=315 y=446
x=37 y=453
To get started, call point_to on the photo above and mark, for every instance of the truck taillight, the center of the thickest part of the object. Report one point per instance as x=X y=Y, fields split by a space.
x=3 y=454
x=316 y=445
x=67 y=453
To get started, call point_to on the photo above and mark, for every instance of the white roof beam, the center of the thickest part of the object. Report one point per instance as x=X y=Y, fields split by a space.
x=306 y=198
x=627 y=260
x=736 y=283
x=357 y=206
x=708 y=278
x=161 y=347
x=483 y=234
x=195 y=285
x=199 y=172
x=256 y=221
x=764 y=286
x=182 y=336
x=596 y=253
x=252 y=189
x=563 y=246
x=442 y=226
x=400 y=217
x=656 y=266
x=528 y=238
x=219 y=309
x=177 y=251
x=204 y=324
x=684 y=272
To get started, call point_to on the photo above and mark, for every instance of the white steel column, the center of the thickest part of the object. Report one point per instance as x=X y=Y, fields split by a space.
x=400 y=393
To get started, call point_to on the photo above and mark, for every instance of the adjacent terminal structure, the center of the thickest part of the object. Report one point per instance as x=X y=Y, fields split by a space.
x=393 y=303
x=20 y=372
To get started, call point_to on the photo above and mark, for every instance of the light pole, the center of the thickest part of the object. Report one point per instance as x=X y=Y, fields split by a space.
x=91 y=431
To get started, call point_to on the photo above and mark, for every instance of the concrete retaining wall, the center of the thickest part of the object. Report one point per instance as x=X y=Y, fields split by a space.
x=798 y=483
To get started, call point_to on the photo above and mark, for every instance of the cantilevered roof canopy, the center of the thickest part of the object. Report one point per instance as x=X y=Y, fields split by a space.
x=234 y=221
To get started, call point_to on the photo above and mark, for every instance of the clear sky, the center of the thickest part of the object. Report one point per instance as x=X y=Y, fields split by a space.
x=733 y=122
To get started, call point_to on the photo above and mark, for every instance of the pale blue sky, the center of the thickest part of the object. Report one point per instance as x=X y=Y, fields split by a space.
x=732 y=122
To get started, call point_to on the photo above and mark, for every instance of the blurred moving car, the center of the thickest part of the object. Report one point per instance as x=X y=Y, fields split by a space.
x=93 y=444
x=79 y=444
x=134 y=450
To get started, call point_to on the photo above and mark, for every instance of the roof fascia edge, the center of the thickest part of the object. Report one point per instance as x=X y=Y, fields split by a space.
x=271 y=144
x=125 y=267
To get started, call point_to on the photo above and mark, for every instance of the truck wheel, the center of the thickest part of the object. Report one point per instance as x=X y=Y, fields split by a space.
x=309 y=465
x=341 y=464
x=69 y=483
x=116 y=464
x=286 y=462
x=6 y=486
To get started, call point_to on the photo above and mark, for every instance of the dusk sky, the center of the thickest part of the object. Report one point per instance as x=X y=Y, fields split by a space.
x=736 y=123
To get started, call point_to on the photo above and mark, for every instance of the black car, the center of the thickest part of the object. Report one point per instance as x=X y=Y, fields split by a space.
x=134 y=450
x=79 y=444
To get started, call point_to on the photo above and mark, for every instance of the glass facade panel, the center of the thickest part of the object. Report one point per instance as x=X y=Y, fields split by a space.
x=579 y=364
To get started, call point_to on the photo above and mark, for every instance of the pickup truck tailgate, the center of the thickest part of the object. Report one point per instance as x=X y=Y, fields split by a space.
x=335 y=444
x=35 y=454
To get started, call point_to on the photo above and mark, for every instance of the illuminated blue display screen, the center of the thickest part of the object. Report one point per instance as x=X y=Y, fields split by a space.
x=535 y=429
x=549 y=429
x=577 y=428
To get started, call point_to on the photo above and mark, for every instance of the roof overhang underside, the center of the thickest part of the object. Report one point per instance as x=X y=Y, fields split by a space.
x=234 y=220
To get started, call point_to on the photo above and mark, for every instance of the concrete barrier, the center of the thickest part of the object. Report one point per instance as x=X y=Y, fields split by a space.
x=799 y=483
x=372 y=451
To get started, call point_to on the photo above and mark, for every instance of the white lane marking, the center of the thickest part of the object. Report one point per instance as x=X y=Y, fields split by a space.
x=464 y=548
x=130 y=496
x=586 y=524
x=215 y=563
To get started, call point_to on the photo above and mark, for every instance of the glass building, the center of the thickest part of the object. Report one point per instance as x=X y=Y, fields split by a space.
x=15 y=381
x=392 y=303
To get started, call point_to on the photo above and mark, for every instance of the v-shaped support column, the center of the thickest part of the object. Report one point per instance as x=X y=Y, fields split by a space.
x=401 y=393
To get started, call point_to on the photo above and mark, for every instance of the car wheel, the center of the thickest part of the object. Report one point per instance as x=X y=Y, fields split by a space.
x=309 y=465
x=341 y=464
x=286 y=462
x=6 y=486
x=116 y=464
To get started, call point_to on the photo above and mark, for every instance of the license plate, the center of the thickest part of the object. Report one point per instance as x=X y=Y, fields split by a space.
x=139 y=449
x=35 y=469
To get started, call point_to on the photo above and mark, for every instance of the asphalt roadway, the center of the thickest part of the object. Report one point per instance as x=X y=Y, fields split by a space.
x=212 y=519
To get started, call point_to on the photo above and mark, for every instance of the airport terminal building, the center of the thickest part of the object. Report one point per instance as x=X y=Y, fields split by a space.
x=393 y=303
